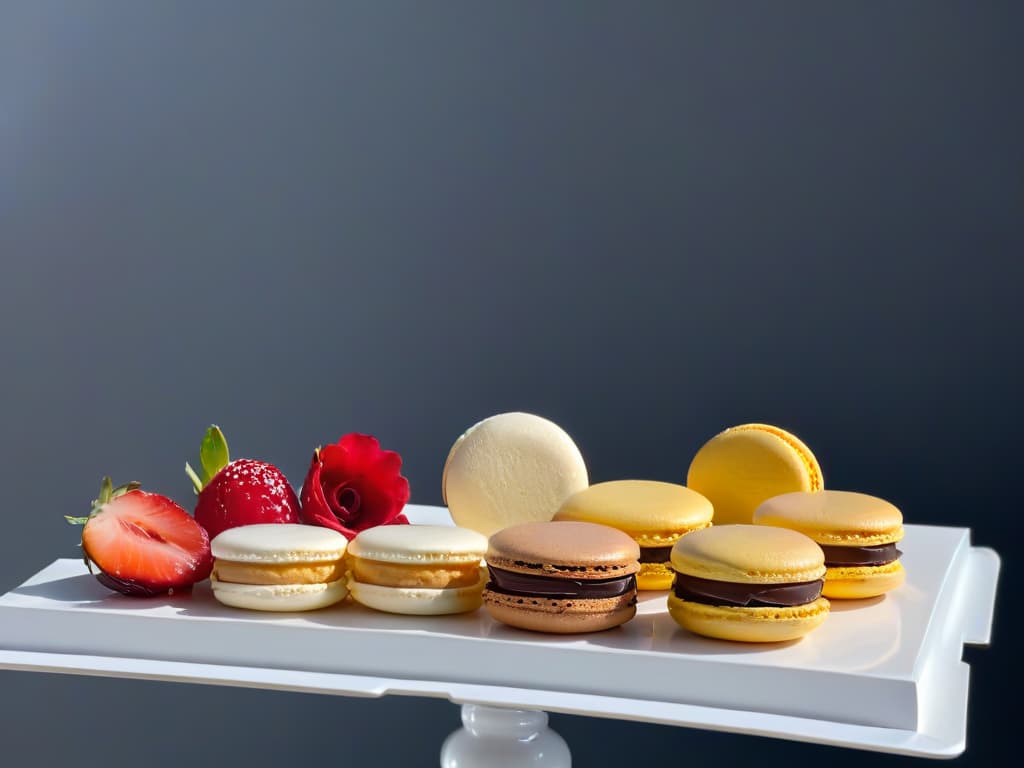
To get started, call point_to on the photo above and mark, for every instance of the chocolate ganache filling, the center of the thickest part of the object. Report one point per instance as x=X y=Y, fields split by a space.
x=529 y=585
x=882 y=554
x=655 y=554
x=711 y=592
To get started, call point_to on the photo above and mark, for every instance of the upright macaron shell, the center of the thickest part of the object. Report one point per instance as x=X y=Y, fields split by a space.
x=761 y=558
x=839 y=520
x=741 y=467
x=566 y=577
x=655 y=514
x=418 y=569
x=508 y=469
x=278 y=567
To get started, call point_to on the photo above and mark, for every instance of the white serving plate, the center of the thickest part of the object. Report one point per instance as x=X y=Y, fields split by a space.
x=884 y=674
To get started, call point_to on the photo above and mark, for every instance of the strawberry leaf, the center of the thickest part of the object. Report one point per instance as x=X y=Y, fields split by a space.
x=76 y=520
x=106 y=491
x=213 y=453
x=197 y=483
x=121 y=490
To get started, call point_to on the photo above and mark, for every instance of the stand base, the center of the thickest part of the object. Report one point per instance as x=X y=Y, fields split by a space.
x=511 y=738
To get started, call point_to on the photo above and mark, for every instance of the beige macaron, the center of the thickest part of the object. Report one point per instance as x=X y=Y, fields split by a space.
x=417 y=569
x=279 y=567
x=508 y=469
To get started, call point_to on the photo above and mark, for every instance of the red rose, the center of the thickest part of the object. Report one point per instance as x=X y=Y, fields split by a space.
x=353 y=485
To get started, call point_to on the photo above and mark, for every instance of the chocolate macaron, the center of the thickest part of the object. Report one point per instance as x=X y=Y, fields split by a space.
x=561 y=577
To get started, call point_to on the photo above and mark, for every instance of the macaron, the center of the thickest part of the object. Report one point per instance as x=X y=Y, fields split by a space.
x=655 y=514
x=857 y=532
x=749 y=583
x=279 y=567
x=508 y=469
x=739 y=468
x=424 y=570
x=561 y=577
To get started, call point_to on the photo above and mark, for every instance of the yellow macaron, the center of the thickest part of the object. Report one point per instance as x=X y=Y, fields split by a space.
x=653 y=513
x=739 y=468
x=749 y=583
x=857 y=532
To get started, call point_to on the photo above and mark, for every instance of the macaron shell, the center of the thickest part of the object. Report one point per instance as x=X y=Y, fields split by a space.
x=508 y=469
x=748 y=625
x=279 y=543
x=855 y=583
x=743 y=466
x=564 y=548
x=654 y=576
x=419 y=544
x=654 y=513
x=749 y=554
x=560 y=616
x=418 y=601
x=835 y=518
x=279 y=597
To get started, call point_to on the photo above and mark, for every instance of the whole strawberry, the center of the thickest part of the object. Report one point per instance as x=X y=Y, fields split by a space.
x=239 y=492
x=142 y=544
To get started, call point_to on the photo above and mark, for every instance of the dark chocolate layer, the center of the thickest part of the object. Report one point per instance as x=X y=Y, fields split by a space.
x=882 y=554
x=655 y=554
x=711 y=592
x=528 y=585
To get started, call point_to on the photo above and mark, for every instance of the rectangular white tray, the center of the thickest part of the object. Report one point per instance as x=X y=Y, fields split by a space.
x=883 y=674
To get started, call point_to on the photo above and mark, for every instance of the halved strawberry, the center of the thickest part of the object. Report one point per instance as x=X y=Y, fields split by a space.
x=143 y=543
x=239 y=492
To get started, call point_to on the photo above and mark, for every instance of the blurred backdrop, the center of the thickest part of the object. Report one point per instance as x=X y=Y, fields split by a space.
x=645 y=221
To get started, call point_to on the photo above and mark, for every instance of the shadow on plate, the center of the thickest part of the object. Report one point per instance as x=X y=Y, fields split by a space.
x=84 y=588
x=838 y=606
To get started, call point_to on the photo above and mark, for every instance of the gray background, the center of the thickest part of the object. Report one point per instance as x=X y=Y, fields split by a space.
x=647 y=221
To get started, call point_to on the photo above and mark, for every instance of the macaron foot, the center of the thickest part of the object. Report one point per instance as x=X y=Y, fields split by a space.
x=748 y=625
x=417 y=601
x=287 y=598
x=559 y=616
x=654 y=577
x=856 y=583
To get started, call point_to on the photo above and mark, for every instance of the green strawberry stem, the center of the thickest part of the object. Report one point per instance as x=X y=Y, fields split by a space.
x=107 y=493
x=213 y=457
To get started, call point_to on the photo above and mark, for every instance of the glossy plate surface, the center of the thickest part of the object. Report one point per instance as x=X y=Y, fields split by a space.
x=883 y=674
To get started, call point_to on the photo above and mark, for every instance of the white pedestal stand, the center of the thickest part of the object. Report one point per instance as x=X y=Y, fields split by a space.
x=510 y=738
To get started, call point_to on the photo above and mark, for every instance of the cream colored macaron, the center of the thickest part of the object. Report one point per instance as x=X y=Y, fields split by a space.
x=417 y=569
x=653 y=513
x=749 y=583
x=508 y=469
x=279 y=567
x=857 y=532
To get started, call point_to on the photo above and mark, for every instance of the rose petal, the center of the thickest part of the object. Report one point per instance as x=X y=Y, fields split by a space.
x=356 y=485
x=314 y=509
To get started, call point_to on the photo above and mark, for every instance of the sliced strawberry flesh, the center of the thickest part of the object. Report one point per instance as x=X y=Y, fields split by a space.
x=146 y=539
